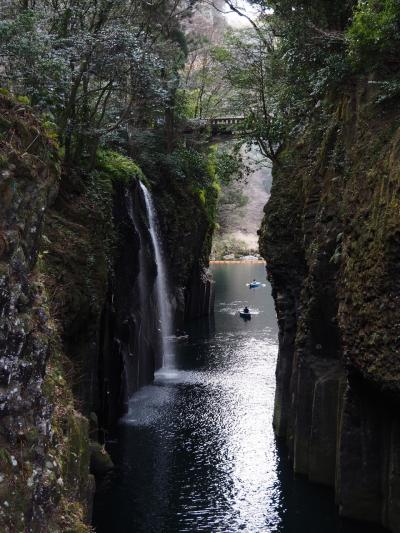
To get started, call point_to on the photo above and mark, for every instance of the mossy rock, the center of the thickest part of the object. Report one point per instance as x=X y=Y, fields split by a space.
x=100 y=462
x=115 y=167
x=77 y=454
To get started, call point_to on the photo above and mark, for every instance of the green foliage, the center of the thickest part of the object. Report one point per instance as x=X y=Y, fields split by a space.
x=228 y=165
x=234 y=196
x=281 y=70
x=208 y=168
x=202 y=196
x=202 y=81
x=51 y=128
x=23 y=100
x=195 y=171
x=186 y=102
x=221 y=54
x=212 y=165
x=33 y=68
x=113 y=166
x=190 y=164
x=375 y=31
x=255 y=75
x=230 y=246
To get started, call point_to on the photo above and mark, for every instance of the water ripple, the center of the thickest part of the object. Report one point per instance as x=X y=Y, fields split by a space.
x=196 y=451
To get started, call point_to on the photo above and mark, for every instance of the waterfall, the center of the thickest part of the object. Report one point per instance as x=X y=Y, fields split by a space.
x=163 y=295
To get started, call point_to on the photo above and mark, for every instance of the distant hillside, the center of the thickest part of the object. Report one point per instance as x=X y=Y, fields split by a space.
x=240 y=212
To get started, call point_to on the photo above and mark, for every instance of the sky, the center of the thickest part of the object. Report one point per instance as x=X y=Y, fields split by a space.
x=236 y=21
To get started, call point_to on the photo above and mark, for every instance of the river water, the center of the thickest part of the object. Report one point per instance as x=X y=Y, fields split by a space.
x=196 y=452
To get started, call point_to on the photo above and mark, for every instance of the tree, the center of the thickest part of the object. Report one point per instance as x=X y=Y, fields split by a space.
x=202 y=81
x=283 y=65
x=94 y=66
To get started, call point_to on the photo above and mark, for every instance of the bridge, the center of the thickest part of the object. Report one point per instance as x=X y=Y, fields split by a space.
x=217 y=125
x=219 y=121
x=224 y=124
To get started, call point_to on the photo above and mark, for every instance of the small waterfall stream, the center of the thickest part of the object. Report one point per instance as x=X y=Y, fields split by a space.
x=163 y=294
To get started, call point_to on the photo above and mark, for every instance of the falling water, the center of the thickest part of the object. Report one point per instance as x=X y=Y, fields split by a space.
x=164 y=306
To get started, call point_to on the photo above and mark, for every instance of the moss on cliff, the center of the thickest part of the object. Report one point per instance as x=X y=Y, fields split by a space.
x=187 y=208
x=37 y=401
x=77 y=255
x=331 y=240
x=114 y=167
x=57 y=271
x=335 y=201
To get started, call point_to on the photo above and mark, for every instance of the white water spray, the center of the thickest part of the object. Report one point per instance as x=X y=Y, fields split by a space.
x=163 y=295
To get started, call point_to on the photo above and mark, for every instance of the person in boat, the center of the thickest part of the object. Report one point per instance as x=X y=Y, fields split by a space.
x=246 y=310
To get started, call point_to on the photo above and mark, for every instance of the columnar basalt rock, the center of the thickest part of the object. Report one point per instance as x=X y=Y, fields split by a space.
x=130 y=347
x=199 y=295
x=330 y=238
x=187 y=226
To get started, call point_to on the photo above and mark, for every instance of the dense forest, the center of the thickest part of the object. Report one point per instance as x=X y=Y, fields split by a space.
x=100 y=96
x=127 y=75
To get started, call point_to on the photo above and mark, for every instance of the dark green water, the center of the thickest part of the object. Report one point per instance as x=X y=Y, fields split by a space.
x=196 y=452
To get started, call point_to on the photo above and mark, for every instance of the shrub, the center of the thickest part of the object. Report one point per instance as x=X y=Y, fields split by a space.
x=51 y=129
x=229 y=166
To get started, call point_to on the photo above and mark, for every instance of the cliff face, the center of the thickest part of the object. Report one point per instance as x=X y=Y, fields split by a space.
x=331 y=238
x=187 y=223
x=44 y=463
x=130 y=347
x=79 y=331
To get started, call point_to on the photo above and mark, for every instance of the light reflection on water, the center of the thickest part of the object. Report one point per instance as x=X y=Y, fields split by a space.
x=196 y=452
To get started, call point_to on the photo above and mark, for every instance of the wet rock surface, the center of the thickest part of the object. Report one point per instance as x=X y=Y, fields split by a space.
x=187 y=226
x=130 y=348
x=329 y=238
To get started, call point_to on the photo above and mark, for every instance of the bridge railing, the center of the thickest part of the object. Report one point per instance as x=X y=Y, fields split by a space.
x=226 y=121
x=219 y=125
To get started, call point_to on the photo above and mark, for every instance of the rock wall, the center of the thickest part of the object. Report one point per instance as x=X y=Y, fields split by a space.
x=44 y=462
x=330 y=236
x=200 y=294
x=79 y=331
x=130 y=347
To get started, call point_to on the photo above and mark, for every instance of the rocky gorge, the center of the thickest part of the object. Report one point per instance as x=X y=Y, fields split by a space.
x=132 y=136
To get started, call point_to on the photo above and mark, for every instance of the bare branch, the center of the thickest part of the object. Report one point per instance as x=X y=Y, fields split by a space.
x=236 y=10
